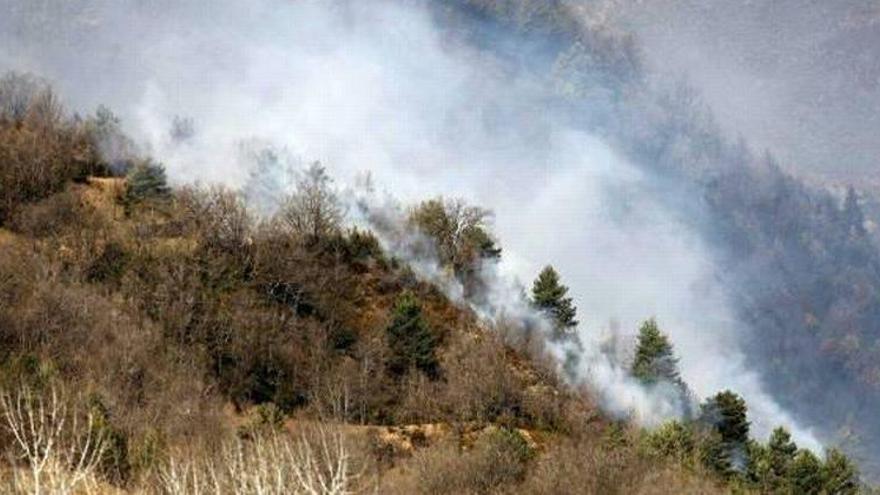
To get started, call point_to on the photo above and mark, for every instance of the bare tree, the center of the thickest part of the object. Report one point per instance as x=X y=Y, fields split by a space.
x=460 y=232
x=313 y=211
x=60 y=446
x=319 y=462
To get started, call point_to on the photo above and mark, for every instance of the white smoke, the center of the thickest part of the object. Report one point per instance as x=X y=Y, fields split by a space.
x=375 y=85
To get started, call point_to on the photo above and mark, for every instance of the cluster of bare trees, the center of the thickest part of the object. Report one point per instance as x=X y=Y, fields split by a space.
x=56 y=449
x=40 y=149
x=58 y=446
x=318 y=462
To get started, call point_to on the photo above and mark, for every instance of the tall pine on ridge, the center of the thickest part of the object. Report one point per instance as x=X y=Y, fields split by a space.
x=549 y=296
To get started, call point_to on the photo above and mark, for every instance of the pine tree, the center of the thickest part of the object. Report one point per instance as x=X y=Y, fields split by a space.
x=411 y=342
x=655 y=360
x=726 y=412
x=549 y=296
x=715 y=455
x=780 y=452
x=768 y=466
x=146 y=180
x=839 y=474
x=805 y=474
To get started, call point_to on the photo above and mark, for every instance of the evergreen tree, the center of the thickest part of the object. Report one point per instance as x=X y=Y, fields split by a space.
x=780 y=453
x=757 y=463
x=805 y=474
x=549 y=295
x=655 y=360
x=769 y=466
x=146 y=180
x=715 y=456
x=726 y=413
x=839 y=474
x=411 y=342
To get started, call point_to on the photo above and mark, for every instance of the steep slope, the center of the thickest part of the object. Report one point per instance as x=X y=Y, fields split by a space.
x=165 y=312
x=802 y=273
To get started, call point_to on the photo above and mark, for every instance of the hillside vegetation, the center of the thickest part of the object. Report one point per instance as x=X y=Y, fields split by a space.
x=162 y=340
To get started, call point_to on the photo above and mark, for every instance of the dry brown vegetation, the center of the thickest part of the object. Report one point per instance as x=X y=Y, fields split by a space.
x=208 y=350
x=164 y=318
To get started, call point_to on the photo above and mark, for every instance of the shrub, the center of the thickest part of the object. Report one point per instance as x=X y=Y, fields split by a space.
x=40 y=150
x=673 y=440
x=56 y=214
x=498 y=459
x=320 y=460
x=60 y=443
x=114 y=463
x=479 y=383
x=109 y=265
x=266 y=418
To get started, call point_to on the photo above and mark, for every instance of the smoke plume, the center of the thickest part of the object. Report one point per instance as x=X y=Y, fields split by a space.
x=215 y=89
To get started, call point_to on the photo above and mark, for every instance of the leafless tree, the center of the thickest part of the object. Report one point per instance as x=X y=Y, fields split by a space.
x=61 y=446
x=313 y=210
x=319 y=462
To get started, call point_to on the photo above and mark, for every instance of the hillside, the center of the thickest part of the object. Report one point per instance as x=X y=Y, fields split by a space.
x=159 y=340
x=797 y=262
x=178 y=323
x=191 y=302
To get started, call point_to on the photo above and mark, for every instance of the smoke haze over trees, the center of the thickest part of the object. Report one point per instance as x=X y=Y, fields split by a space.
x=569 y=120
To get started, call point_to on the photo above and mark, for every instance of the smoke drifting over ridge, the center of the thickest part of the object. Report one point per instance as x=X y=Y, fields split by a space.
x=801 y=77
x=380 y=86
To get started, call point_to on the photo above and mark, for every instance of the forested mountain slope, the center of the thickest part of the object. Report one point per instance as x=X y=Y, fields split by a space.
x=795 y=259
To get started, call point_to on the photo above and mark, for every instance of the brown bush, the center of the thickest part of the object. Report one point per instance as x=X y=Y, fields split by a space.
x=40 y=151
x=54 y=215
x=498 y=459
x=584 y=465
x=480 y=383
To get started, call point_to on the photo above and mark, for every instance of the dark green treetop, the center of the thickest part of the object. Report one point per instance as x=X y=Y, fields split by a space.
x=840 y=474
x=146 y=180
x=655 y=359
x=549 y=295
x=726 y=413
x=410 y=340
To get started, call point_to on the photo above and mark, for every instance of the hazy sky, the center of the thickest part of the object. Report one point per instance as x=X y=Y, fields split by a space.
x=800 y=77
